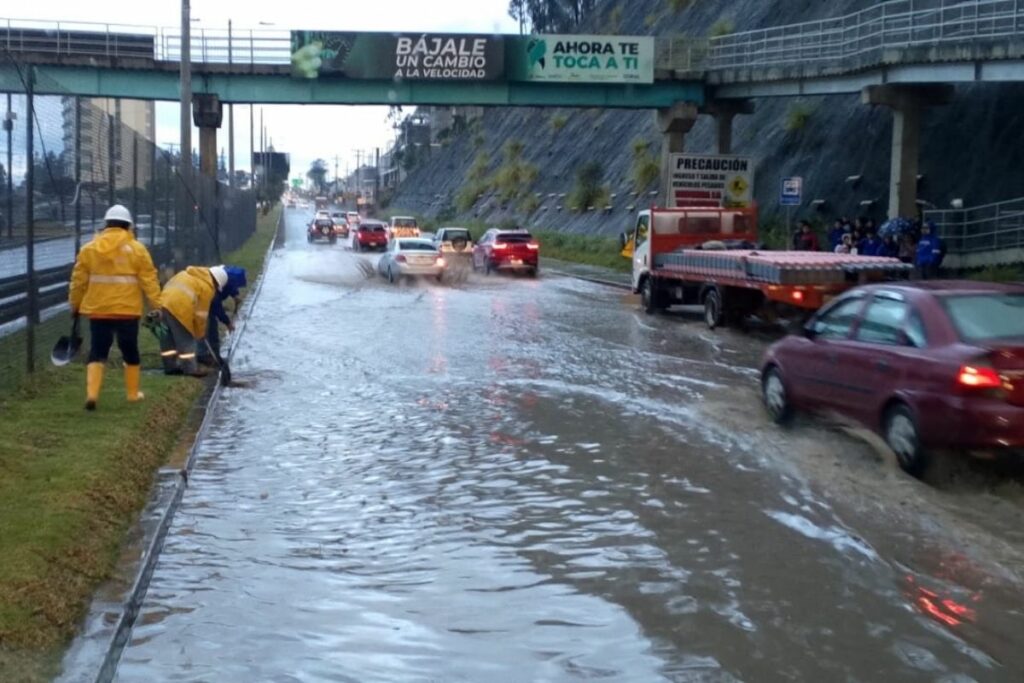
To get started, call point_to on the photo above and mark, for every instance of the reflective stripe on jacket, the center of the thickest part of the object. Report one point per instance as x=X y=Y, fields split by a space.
x=111 y=274
x=187 y=297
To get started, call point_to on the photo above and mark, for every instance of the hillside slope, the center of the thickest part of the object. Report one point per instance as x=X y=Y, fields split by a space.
x=968 y=147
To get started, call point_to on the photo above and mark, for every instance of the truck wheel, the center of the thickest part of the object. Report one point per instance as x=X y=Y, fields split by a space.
x=648 y=297
x=713 y=309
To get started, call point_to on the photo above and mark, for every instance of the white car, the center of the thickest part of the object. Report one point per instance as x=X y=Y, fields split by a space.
x=411 y=257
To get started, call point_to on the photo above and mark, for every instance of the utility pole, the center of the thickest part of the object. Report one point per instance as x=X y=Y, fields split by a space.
x=32 y=313
x=78 y=174
x=263 y=156
x=252 y=147
x=359 y=173
x=376 y=179
x=231 y=121
x=185 y=77
x=9 y=118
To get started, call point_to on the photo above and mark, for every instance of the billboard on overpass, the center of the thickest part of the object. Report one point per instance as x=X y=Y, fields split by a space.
x=401 y=56
x=581 y=59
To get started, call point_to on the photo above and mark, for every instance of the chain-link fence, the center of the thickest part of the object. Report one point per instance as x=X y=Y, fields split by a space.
x=65 y=160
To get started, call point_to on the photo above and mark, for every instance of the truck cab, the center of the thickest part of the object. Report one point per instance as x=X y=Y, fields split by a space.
x=667 y=230
x=404 y=226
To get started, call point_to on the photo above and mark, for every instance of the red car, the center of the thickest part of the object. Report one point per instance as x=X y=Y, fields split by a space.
x=927 y=365
x=507 y=250
x=370 y=235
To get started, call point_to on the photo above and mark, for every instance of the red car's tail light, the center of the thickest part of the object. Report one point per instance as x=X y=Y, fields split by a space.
x=978 y=378
x=533 y=245
x=501 y=245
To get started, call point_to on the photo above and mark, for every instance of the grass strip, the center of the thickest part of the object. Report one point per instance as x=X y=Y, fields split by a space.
x=588 y=249
x=72 y=483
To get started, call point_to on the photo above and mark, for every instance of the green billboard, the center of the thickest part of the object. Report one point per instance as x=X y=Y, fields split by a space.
x=581 y=59
x=390 y=56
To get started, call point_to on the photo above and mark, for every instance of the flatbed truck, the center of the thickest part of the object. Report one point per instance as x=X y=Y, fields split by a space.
x=709 y=257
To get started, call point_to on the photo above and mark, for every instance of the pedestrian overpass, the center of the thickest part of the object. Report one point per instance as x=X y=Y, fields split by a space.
x=254 y=66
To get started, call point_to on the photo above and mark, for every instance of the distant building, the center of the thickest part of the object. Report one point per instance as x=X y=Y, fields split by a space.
x=128 y=119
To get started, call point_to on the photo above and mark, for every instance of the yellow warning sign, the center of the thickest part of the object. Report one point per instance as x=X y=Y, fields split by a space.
x=738 y=186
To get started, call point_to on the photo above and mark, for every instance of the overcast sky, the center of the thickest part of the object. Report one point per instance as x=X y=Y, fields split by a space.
x=307 y=132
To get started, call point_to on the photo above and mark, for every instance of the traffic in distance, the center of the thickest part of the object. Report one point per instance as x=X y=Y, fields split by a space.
x=929 y=366
x=408 y=253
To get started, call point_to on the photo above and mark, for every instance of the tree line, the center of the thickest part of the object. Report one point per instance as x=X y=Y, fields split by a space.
x=550 y=16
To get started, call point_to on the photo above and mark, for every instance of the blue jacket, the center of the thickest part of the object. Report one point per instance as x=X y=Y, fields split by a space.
x=835 y=237
x=869 y=246
x=930 y=251
x=891 y=249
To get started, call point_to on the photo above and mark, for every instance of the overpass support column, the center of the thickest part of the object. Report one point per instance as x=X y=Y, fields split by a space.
x=207 y=112
x=907 y=103
x=724 y=111
x=674 y=123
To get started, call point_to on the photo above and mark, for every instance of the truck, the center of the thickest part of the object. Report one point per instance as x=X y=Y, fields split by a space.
x=707 y=256
x=321 y=203
x=403 y=226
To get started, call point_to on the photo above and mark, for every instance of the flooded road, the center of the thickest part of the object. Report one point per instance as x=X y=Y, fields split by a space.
x=527 y=480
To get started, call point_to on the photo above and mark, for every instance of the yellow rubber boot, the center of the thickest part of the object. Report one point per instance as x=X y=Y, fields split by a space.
x=93 y=383
x=132 y=374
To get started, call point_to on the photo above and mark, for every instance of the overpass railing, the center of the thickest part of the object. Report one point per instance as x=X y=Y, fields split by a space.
x=865 y=34
x=123 y=41
x=990 y=227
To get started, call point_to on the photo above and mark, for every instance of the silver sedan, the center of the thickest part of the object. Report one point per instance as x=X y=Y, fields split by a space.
x=411 y=257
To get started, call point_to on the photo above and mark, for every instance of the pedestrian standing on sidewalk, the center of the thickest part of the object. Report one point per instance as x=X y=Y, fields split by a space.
x=186 y=303
x=110 y=277
x=835 y=235
x=930 y=252
x=805 y=239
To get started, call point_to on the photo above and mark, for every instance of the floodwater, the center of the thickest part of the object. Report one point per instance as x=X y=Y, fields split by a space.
x=527 y=480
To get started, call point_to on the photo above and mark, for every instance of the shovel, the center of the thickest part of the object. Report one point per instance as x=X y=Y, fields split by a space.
x=66 y=348
x=225 y=371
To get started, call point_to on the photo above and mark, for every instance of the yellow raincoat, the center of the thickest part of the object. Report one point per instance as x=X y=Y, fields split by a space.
x=110 y=276
x=187 y=296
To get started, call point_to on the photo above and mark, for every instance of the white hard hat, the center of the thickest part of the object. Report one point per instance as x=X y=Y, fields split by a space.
x=119 y=212
x=220 y=274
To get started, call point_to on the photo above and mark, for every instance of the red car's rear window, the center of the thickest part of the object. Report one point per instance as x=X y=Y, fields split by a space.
x=515 y=238
x=986 y=317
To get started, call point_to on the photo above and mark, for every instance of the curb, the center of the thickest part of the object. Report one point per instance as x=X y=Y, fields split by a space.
x=130 y=608
x=595 y=280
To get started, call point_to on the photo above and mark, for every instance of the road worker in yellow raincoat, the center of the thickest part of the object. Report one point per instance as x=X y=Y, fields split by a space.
x=110 y=277
x=186 y=300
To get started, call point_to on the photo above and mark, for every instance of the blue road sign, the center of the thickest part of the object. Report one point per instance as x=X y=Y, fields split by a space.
x=792 y=191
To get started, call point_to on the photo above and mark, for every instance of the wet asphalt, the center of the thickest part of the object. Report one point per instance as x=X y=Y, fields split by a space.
x=505 y=479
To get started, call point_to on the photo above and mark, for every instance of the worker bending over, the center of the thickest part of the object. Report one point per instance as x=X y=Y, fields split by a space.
x=186 y=301
x=111 y=274
x=209 y=352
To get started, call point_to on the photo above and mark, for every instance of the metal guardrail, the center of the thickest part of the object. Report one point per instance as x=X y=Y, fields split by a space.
x=865 y=34
x=990 y=227
x=51 y=290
